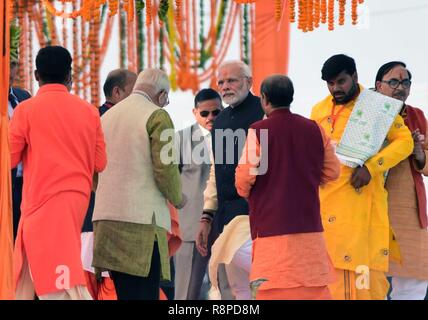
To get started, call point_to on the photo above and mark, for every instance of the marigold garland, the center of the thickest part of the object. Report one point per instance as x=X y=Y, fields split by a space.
x=342 y=4
x=278 y=10
x=354 y=11
x=317 y=13
x=302 y=17
x=148 y=12
x=292 y=10
x=190 y=51
x=310 y=14
x=323 y=11
x=178 y=7
x=113 y=6
x=330 y=15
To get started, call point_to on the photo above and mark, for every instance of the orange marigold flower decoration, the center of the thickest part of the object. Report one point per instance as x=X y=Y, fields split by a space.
x=278 y=10
x=323 y=11
x=292 y=8
x=342 y=4
x=178 y=6
x=354 y=12
x=330 y=15
x=317 y=13
x=310 y=14
x=148 y=12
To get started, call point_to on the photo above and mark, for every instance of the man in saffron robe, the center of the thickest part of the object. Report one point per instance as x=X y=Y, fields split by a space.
x=354 y=207
x=59 y=138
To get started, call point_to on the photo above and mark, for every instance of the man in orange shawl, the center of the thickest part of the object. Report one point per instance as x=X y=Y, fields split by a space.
x=59 y=139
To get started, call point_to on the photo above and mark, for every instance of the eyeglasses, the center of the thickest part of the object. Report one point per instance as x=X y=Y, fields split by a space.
x=205 y=113
x=395 y=83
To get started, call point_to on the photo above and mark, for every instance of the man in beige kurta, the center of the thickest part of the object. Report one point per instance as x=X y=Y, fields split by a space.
x=406 y=193
x=131 y=215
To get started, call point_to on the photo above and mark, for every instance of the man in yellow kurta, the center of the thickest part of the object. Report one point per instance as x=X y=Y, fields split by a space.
x=354 y=207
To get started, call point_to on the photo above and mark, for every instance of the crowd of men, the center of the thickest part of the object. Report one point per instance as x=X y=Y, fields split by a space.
x=249 y=202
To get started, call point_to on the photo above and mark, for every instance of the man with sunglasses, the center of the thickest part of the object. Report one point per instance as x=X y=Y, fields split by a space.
x=406 y=192
x=194 y=143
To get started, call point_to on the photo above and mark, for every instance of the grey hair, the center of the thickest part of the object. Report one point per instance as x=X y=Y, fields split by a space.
x=245 y=69
x=152 y=77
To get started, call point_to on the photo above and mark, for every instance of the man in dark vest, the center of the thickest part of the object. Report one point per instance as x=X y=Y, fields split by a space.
x=16 y=95
x=406 y=192
x=222 y=202
x=285 y=160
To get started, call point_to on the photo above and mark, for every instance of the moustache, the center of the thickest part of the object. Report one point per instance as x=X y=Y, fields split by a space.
x=339 y=93
x=400 y=94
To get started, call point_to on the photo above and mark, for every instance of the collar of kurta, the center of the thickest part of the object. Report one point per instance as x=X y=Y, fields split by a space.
x=144 y=94
x=403 y=112
x=244 y=102
x=108 y=104
x=52 y=87
x=205 y=132
x=279 y=111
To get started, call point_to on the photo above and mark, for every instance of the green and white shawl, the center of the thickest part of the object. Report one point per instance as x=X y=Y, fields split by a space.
x=367 y=127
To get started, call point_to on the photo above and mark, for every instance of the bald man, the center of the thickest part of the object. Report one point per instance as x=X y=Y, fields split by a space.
x=118 y=86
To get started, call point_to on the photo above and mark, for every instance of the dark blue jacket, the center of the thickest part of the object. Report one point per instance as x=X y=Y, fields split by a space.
x=20 y=95
x=230 y=204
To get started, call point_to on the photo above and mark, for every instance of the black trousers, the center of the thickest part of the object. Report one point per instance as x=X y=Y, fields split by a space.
x=168 y=287
x=129 y=287
x=17 y=183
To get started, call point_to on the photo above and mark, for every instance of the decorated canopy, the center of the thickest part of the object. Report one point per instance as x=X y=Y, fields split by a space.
x=176 y=35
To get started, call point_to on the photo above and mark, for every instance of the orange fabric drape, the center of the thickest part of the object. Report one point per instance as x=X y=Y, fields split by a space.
x=270 y=48
x=174 y=236
x=6 y=236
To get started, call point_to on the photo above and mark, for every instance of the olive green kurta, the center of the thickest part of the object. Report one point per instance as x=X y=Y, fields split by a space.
x=125 y=246
x=128 y=247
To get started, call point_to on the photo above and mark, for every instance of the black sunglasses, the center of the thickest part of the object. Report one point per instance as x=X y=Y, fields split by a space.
x=205 y=113
x=395 y=83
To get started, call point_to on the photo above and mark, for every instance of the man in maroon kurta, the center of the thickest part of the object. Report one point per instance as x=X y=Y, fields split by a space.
x=59 y=138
